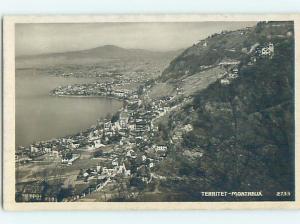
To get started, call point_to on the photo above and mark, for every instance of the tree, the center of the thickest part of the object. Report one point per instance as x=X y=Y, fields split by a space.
x=68 y=155
x=108 y=116
x=138 y=183
x=115 y=117
x=163 y=129
x=98 y=153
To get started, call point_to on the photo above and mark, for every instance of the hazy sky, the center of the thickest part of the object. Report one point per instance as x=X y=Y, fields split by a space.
x=46 y=38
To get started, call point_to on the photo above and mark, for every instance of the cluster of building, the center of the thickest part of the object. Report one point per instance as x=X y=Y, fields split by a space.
x=257 y=51
x=231 y=70
x=109 y=89
x=132 y=133
x=60 y=148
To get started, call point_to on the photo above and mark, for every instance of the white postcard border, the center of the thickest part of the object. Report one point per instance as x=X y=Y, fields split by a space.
x=9 y=114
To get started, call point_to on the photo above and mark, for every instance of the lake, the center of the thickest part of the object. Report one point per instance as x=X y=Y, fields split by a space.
x=43 y=117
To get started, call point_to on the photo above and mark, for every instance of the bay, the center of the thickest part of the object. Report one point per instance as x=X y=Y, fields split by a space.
x=40 y=116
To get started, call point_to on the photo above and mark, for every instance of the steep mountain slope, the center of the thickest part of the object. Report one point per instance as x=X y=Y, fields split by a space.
x=243 y=129
x=227 y=44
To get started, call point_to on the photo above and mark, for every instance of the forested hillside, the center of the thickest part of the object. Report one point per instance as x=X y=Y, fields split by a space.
x=243 y=127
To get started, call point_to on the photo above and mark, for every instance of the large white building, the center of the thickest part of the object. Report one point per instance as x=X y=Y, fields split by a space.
x=268 y=50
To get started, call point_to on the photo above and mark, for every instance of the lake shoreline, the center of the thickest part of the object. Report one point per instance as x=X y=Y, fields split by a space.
x=40 y=116
x=91 y=96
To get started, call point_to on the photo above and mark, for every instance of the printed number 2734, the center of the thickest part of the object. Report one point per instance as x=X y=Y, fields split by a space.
x=283 y=193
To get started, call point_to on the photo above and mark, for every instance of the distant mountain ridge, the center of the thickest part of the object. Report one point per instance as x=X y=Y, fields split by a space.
x=108 y=51
x=93 y=55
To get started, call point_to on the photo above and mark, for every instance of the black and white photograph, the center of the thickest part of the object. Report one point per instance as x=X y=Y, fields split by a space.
x=151 y=111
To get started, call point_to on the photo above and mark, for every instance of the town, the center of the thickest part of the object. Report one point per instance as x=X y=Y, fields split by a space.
x=116 y=159
x=128 y=145
x=108 y=89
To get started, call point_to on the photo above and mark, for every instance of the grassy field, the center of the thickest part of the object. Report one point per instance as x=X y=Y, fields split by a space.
x=161 y=89
x=201 y=80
